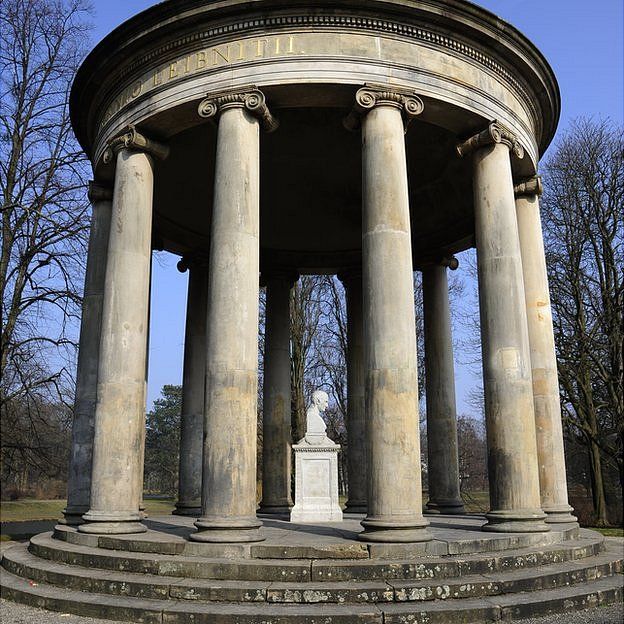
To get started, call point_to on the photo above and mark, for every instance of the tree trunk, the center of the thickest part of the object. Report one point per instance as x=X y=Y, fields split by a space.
x=598 y=489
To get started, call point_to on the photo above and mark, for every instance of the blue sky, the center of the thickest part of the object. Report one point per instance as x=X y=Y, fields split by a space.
x=582 y=40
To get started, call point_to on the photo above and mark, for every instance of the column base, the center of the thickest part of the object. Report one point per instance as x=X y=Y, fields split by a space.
x=227 y=530
x=378 y=530
x=356 y=506
x=113 y=523
x=278 y=509
x=516 y=521
x=188 y=508
x=72 y=515
x=561 y=514
x=449 y=507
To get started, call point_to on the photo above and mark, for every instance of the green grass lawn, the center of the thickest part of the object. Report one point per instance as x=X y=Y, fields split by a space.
x=614 y=532
x=30 y=509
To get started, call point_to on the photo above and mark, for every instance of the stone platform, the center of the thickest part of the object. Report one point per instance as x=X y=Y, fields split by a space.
x=314 y=573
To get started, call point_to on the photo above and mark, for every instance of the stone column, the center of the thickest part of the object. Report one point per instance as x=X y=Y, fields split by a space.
x=444 y=496
x=357 y=461
x=79 y=474
x=193 y=380
x=276 y=429
x=550 y=452
x=120 y=410
x=510 y=419
x=392 y=427
x=229 y=454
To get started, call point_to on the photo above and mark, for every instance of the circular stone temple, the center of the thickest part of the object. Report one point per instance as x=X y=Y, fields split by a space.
x=261 y=141
x=264 y=140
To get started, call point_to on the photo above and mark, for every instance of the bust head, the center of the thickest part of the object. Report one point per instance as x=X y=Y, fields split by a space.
x=320 y=400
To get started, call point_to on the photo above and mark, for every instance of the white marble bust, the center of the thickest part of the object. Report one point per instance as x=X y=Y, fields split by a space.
x=315 y=425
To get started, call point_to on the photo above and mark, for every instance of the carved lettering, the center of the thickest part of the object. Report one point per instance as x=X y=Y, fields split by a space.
x=204 y=60
x=261 y=47
x=218 y=54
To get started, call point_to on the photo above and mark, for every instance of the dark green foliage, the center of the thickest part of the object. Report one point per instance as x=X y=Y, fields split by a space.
x=162 y=442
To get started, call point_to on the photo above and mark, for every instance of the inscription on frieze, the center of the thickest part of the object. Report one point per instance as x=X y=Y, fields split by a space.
x=230 y=53
x=364 y=49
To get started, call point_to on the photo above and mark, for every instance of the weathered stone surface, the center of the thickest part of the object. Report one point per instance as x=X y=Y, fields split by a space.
x=229 y=451
x=276 y=412
x=357 y=460
x=394 y=512
x=83 y=426
x=193 y=399
x=350 y=592
x=548 y=422
x=443 y=459
x=330 y=551
x=510 y=419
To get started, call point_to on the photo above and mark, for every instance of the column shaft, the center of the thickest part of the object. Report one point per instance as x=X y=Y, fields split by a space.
x=444 y=495
x=120 y=411
x=193 y=380
x=276 y=428
x=229 y=453
x=550 y=451
x=394 y=492
x=510 y=421
x=79 y=474
x=357 y=460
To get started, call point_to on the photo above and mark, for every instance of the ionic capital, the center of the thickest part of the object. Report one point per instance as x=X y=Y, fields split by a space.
x=251 y=99
x=351 y=276
x=529 y=188
x=196 y=260
x=371 y=96
x=449 y=262
x=99 y=192
x=287 y=276
x=132 y=139
x=493 y=134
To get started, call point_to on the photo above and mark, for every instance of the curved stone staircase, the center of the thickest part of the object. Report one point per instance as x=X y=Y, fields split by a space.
x=166 y=579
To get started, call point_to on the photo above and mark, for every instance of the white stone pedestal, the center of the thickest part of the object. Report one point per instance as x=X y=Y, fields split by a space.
x=316 y=482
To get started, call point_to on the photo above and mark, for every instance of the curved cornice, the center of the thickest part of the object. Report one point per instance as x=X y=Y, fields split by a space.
x=517 y=60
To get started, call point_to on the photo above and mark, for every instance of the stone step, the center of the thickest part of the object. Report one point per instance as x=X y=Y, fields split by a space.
x=20 y=562
x=492 y=609
x=335 y=544
x=307 y=570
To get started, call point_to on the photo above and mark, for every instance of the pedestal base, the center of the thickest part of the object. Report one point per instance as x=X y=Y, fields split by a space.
x=450 y=507
x=516 y=521
x=225 y=530
x=72 y=516
x=358 y=507
x=382 y=530
x=560 y=515
x=188 y=508
x=316 y=483
x=113 y=523
x=282 y=510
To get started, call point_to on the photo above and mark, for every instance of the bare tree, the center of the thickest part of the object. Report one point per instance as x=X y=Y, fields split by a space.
x=583 y=211
x=44 y=218
x=305 y=314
